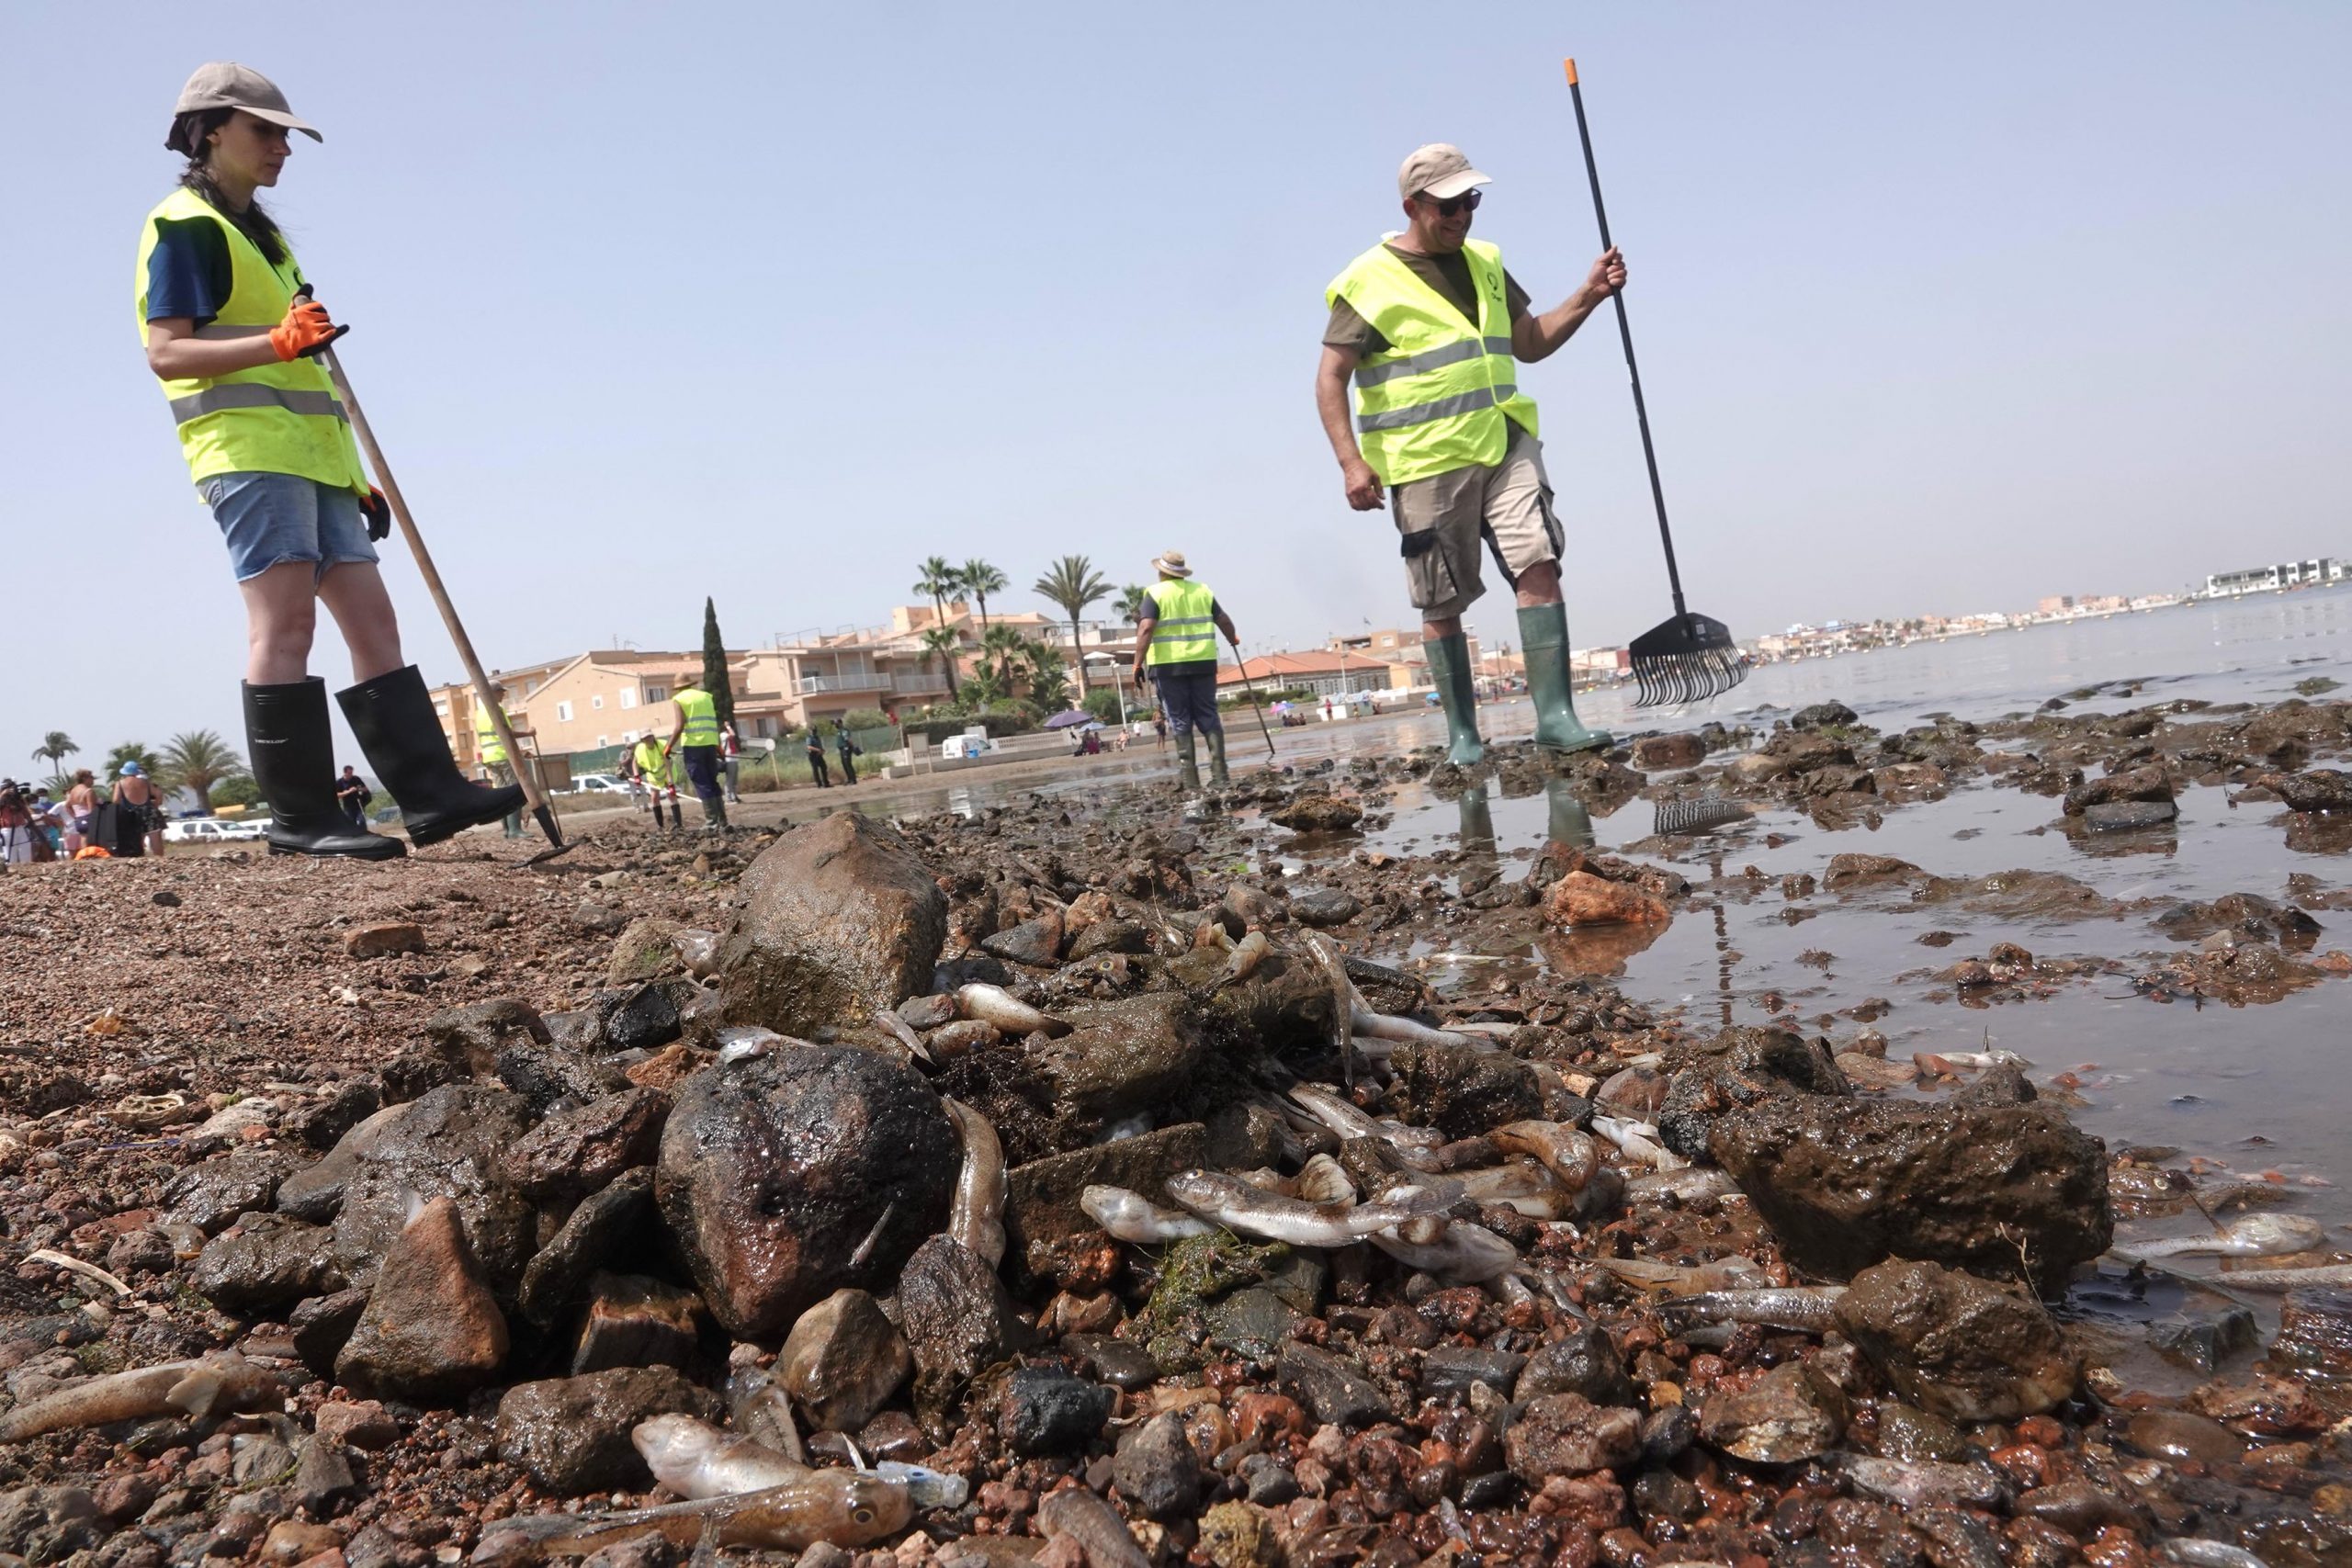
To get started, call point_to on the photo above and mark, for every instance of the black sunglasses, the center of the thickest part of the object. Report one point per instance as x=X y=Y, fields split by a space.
x=1447 y=206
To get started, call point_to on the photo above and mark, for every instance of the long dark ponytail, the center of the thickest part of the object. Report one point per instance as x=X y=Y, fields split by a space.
x=188 y=134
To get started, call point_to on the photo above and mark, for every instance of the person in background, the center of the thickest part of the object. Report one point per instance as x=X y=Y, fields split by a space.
x=49 y=819
x=695 y=738
x=80 y=802
x=351 y=792
x=492 y=753
x=16 y=825
x=650 y=765
x=1176 y=642
x=730 y=755
x=816 y=758
x=848 y=752
x=138 y=797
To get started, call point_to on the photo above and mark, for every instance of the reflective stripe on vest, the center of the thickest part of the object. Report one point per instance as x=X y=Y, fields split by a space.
x=1184 y=625
x=649 y=761
x=278 y=418
x=702 y=717
x=1444 y=394
x=486 y=741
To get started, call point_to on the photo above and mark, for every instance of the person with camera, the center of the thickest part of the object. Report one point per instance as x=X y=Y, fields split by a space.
x=232 y=333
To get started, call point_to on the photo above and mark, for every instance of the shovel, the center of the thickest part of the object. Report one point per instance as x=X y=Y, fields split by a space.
x=541 y=811
x=1690 y=657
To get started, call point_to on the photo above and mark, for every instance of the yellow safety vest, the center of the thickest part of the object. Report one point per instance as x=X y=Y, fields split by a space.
x=702 y=717
x=486 y=744
x=1184 y=632
x=1443 y=394
x=276 y=418
x=649 y=760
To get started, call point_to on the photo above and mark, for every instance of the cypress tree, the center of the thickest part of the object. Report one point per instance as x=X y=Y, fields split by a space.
x=714 y=665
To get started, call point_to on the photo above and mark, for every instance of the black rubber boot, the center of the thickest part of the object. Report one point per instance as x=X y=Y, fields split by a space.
x=1216 y=757
x=1188 y=767
x=392 y=717
x=293 y=762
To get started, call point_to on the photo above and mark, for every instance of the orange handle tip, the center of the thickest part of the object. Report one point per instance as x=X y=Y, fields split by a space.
x=1571 y=63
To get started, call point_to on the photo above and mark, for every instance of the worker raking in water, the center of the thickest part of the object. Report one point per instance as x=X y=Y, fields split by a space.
x=231 y=333
x=1432 y=329
x=1176 y=642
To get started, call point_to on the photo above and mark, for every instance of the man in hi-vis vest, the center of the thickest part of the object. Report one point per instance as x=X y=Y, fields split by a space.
x=694 y=736
x=1432 y=329
x=1176 y=642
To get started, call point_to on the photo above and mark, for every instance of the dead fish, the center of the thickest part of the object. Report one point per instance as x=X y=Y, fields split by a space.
x=2327 y=1274
x=762 y=1410
x=1321 y=1179
x=996 y=1006
x=1915 y=1483
x=1091 y=1522
x=697 y=950
x=749 y=1042
x=1733 y=1273
x=1415 y=1147
x=1687 y=1185
x=898 y=1029
x=1370 y=1025
x=961 y=1037
x=2196 y=1554
x=1131 y=1216
x=1334 y=965
x=1248 y=953
x=222 y=1380
x=1468 y=1254
x=2252 y=1235
x=1566 y=1152
x=1127 y=1127
x=1638 y=1141
x=1240 y=1207
x=1805 y=1308
x=1211 y=933
x=847 y=1507
x=975 y=1217
x=694 y=1459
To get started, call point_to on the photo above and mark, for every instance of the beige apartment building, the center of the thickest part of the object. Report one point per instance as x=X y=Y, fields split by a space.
x=602 y=698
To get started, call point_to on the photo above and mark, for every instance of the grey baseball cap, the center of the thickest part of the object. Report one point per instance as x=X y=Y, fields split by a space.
x=1440 y=169
x=225 y=85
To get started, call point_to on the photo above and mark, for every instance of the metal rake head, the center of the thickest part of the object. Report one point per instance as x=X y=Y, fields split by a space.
x=1689 y=659
x=1698 y=815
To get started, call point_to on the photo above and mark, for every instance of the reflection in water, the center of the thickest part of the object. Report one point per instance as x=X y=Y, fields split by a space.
x=1567 y=821
x=1598 y=949
x=1477 y=821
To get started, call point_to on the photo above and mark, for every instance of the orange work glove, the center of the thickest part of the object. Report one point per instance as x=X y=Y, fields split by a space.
x=304 y=331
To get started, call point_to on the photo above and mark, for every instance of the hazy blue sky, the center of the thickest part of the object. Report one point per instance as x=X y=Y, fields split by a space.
x=1941 y=308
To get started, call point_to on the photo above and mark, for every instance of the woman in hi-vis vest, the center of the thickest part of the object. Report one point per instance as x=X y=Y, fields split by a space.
x=233 y=334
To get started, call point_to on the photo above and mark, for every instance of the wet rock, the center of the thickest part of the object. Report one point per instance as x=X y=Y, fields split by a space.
x=470 y=1037
x=575 y=1153
x=546 y=1078
x=432 y=1331
x=842 y=1360
x=315 y=1191
x=1312 y=813
x=2204 y=1339
x=449 y=1144
x=1791 y=1412
x=644 y=951
x=2316 y=1333
x=1036 y=943
x=1041 y=1197
x=1253 y=1323
x=958 y=1322
x=1323 y=906
x=2178 y=1434
x=1739 y=1066
x=572 y=1434
x=1662 y=754
x=1907 y=1432
x=786 y=1179
x=1331 y=1389
x=618 y=1222
x=1566 y=1434
x=383 y=940
x=210 y=1195
x=358 y=1424
x=1124 y=1056
x=1823 y=716
x=634 y=1321
x=1157 y=1470
x=644 y=1018
x=928 y=1012
x=265 y=1263
x=1463 y=1090
x=1448 y=1370
x=1587 y=1362
x=1242 y=1137
x=2125 y=816
x=1956 y=1346
x=1668 y=1432
x=2319 y=789
x=840 y=919
x=318 y=1126
x=1237 y=1535
x=321 y=1325
x=1860 y=871
x=1121 y=1363
x=1110 y=936
x=1269 y=1481
x=1047 y=1412
x=324 y=1479
x=1845 y=1183
x=1581 y=898
x=2146 y=785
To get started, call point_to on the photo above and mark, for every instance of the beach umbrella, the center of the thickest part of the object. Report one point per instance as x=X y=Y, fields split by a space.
x=1064 y=720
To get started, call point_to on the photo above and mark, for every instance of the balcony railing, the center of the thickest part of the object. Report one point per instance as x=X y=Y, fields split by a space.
x=916 y=682
x=850 y=681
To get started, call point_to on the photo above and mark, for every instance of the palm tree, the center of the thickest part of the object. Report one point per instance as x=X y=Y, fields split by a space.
x=54 y=748
x=1048 y=685
x=940 y=644
x=1132 y=600
x=1072 y=583
x=195 y=760
x=1003 y=646
x=938 y=580
x=979 y=578
x=132 y=751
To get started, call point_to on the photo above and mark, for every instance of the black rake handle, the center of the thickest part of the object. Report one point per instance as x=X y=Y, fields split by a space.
x=1625 y=335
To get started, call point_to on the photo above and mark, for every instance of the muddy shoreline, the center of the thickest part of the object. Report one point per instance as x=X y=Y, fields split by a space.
x=182 y=1042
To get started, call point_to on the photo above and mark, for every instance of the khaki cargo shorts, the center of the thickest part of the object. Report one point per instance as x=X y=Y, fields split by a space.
x=1442 y=520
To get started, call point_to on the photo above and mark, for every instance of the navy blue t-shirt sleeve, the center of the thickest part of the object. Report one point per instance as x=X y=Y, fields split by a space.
x=187 y=272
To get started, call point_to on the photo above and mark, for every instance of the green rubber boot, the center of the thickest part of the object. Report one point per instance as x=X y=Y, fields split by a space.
x=1450 y=669
x=1187 y=765
x=1543 y=639
x=1216 y=758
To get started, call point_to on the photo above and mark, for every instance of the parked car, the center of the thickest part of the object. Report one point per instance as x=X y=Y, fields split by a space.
x=212 y=830
x=598 y=783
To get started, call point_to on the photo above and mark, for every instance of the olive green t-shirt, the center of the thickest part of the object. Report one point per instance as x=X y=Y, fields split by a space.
x=1449 y=275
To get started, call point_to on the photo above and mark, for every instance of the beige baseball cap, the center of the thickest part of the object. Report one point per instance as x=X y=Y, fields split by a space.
x=1439 y=169
x=225 y=85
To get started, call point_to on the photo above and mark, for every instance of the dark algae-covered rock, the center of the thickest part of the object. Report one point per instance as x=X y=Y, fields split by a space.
x=840 y=918
x=1957 y=1347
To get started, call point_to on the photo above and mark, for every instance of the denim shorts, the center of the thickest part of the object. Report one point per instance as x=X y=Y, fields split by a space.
x=268 y=518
